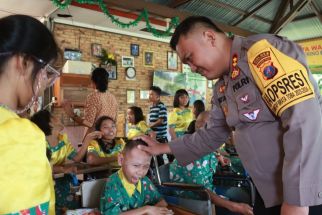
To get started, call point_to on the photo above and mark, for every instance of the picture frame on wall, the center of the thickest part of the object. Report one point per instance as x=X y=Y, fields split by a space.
x=148 y=59
x=112 y=71
x=144 y=94
x=127 y=61
x=130 y=96
x=135 y=50
x=96 y=50
x=172 y=61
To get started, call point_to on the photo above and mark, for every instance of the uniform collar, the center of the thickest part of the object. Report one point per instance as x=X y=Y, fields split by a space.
x=130 y=188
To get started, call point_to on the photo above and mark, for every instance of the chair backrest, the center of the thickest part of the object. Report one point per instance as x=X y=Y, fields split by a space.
x=91 y=192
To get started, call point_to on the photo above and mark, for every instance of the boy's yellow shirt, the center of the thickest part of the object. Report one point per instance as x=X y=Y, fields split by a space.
x=130 y=188
x=26 y=176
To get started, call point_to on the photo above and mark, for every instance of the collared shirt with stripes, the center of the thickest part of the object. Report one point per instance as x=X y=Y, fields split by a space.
x=159 y=111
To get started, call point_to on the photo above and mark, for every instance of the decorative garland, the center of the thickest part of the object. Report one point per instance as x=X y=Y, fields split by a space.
x=143 y=15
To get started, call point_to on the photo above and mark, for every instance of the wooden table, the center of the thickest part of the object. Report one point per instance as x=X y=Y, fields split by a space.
x=84 y=168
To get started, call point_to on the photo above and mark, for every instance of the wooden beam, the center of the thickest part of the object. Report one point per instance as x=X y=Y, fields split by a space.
x=290 y=16
x=315 y=9
x=167 y=12
x=177 y=3
x=252 y=12
x=280 y=13
x=235 y=9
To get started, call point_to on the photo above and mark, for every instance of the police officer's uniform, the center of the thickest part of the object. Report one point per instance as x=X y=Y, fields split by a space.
x=274 y=105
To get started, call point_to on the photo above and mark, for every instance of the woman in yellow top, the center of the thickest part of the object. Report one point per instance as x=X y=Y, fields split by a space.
x=27 y=50
x=61 y=150
x=181 y=116
x=105 y=149
x=137 y=124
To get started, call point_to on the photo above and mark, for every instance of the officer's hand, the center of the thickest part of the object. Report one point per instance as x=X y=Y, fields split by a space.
x=154 y=147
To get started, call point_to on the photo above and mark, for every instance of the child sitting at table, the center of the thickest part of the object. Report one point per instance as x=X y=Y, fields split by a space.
x=60 y=150
x=129 y=191
x=105 y=149
x=136 y=123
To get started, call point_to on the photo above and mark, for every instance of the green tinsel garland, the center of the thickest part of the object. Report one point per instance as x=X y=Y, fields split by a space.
x=143 y=15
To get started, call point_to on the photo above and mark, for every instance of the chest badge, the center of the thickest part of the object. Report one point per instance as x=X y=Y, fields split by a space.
x=235 y=70
x=252 y=115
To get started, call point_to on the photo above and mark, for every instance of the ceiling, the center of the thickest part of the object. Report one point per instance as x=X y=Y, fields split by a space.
x=296 y=19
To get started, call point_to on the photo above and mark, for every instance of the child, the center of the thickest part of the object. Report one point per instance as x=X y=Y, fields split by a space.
x=198 y=107
x=61 y=150
x=181 y=115
x=137 y=125
x=201 y=172
x=158 y=115
x=105 y=149
x=129 y=191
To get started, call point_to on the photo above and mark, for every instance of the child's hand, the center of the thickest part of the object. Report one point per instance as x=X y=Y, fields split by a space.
x=92 y=136
x=155 y=210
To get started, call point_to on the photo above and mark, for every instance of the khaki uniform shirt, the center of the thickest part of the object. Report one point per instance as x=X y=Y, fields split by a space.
x=272 y=101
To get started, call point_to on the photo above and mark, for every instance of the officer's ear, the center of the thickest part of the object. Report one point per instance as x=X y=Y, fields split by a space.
x=210 y=37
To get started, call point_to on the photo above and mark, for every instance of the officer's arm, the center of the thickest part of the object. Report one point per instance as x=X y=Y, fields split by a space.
x=191 y=147
x=302 y=173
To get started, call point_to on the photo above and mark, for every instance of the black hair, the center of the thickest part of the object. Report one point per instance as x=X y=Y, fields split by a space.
x=138 y=114
x=105 y=147
x=156 y=89
x=100 y=78
x=42 y=120
x=199 y=107
x=179 y=93
x=26 y=36
x=131 y=144
x=187 y=25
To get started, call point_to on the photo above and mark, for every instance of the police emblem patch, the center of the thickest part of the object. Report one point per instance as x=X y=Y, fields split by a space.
x=252 y=115
x=269 y=71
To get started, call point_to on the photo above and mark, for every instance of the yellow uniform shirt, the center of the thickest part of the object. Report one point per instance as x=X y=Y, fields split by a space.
x=63 y=150
x=94 y=147
x=26 y=183
x=138 y=129
x=180 y=119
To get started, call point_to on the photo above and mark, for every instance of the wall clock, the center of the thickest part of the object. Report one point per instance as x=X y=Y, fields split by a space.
x=130 y=72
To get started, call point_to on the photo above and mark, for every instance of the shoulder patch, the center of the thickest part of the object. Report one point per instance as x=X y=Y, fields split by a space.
x=282 y=80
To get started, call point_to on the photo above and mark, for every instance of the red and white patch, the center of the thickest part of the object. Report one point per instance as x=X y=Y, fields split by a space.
x=245 y=98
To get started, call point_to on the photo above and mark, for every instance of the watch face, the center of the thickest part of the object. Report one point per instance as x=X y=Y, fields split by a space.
x=130 y=72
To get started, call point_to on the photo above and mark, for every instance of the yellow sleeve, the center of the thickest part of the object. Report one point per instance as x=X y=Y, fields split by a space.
x=23 y=145
x=144 y=127
x=173 y=119
x=93 y=147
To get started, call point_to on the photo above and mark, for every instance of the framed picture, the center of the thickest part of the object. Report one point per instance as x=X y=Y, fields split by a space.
x=72 y=54
x=135 y=50
x=144 y=94
x=172 y=61
x=130 y=96
x=112 y=71
x=148 y=59
x=127 y=61
x=96 y=50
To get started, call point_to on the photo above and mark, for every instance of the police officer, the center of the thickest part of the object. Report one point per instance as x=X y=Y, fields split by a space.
x=267 y=94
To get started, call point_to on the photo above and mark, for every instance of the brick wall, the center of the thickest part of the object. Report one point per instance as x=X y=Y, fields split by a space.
x=81 y=38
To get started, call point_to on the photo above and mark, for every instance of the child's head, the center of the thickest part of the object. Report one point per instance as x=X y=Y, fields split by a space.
x=202 y=119
x=198 y=107
x=106 y=125
x=48 y=123
x=181 y=99
x=154 y=94
x=135 y=162
x=134 y=115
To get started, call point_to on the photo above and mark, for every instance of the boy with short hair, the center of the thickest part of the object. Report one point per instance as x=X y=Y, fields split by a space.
x=129 y=191
x=158 y=115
